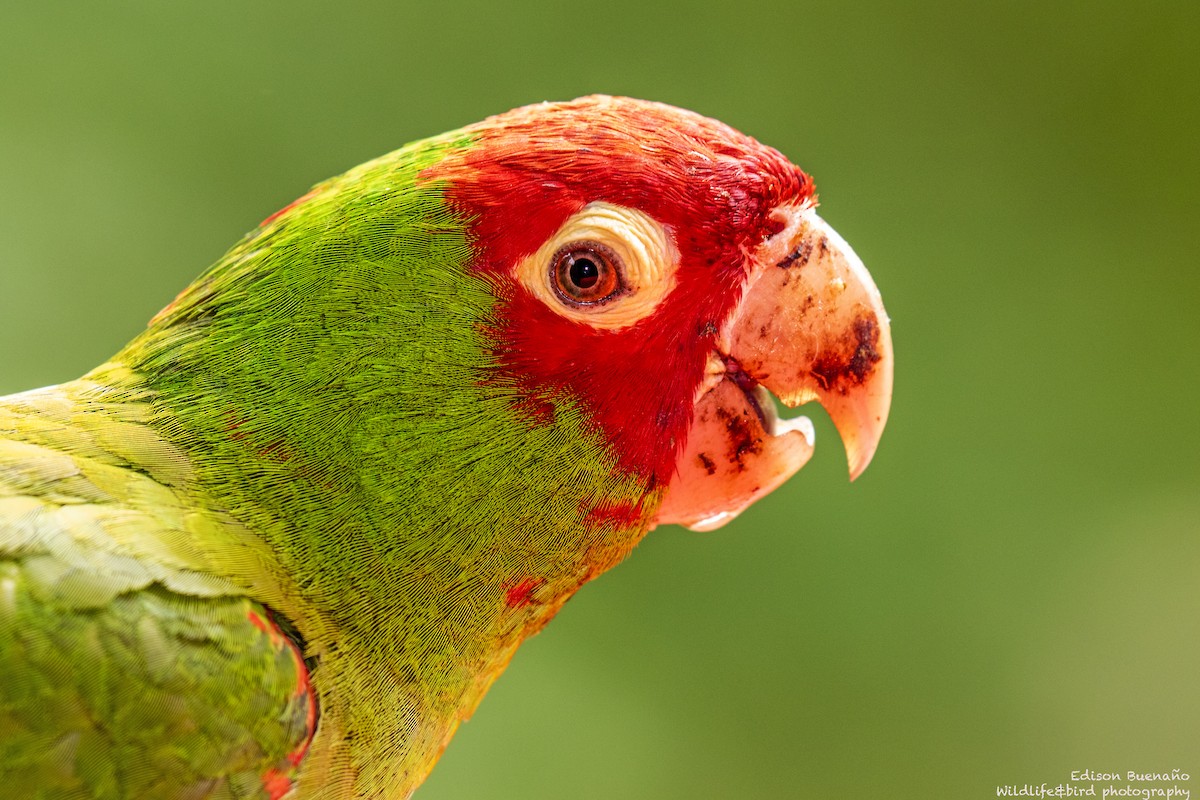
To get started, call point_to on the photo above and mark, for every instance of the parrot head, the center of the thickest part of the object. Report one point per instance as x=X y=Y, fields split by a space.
x=665 y=275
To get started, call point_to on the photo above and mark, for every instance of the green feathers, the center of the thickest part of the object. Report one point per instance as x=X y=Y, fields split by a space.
x=311 y=426
x=129 y=671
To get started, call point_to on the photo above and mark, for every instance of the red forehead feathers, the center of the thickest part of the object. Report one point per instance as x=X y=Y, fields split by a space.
x=534 y=166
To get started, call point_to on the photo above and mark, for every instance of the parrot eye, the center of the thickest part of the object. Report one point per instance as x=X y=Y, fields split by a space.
x=585 y=273
x=606 y=267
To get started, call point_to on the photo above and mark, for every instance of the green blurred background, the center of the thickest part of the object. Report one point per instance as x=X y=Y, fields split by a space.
x=1008 y=594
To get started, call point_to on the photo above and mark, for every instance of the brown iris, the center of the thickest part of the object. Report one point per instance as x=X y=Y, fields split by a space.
x=585 y=273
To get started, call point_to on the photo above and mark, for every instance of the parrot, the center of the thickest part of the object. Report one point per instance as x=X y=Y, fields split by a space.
x=281 y=544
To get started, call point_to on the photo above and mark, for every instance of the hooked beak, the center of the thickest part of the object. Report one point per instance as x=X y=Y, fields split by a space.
x=810 y=326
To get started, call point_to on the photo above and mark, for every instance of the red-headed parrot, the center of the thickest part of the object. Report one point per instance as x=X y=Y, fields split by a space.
x=280 y=544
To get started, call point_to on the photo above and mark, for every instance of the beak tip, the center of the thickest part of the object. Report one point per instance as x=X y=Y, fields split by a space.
x=858 y=466
x=856 y=461
x=861 y=428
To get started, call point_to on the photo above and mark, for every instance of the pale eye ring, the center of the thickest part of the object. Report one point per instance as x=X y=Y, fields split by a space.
x=586 y=273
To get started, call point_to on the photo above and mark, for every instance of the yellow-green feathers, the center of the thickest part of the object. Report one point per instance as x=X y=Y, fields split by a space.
x=313 y=429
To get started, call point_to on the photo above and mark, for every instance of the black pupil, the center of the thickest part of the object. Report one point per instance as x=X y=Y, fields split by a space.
x=584 y=272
